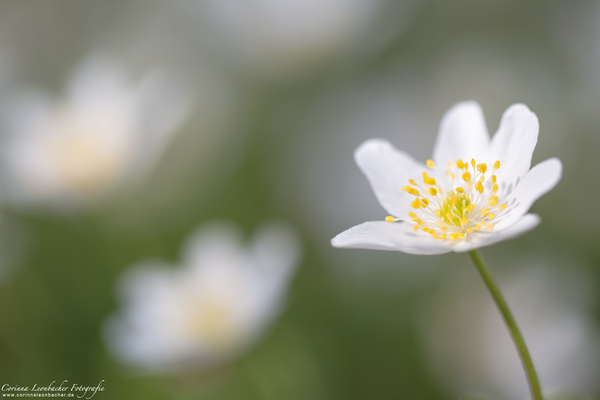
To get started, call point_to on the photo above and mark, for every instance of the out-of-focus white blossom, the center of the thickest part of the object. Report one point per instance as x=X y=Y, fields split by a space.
x=470 y=349
x=208 y=309
x=105 y=132
x=283 y=37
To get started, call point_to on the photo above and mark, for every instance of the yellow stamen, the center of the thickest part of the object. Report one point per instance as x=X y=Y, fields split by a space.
x=470 y=230
x=466 y=177
x=462 y=235
x=430 y=181
x=416 y=228
x=477 y=227
x=482 y=168
x=479 y=187
x=443 y=236
x=495 y=187
x=497 y=165
x=430 y=164
x=412 y=182
x=390 y=219
x=425 y=202
x=493 y=201
x=464 y=221
x=502 y=207
x=491 y=216
x=493 y=178
x=460 y=190
x=412 y=214
x=460 y=164
x=473 y=162
x=439 y=213
x=432 y=191
x=454 y=236
x=470 y=207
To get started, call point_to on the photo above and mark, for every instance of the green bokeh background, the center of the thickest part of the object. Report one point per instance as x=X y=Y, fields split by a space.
x=351 y=330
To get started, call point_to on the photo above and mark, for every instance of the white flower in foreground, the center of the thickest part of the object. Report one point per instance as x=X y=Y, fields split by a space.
x=104 y=133
x=210 y=308
x=475 y=191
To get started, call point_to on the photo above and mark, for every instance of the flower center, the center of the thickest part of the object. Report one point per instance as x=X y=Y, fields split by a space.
x=459 y=208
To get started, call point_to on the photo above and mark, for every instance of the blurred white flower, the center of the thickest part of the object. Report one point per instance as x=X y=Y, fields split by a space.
x=210 y=308
x=280 y=37
x=461 y=205
x=104 y=133
x=470 y=349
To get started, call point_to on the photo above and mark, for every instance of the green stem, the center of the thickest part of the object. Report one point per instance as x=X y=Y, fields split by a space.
x=534 y=382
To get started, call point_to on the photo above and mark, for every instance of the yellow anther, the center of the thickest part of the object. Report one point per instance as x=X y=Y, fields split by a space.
x=443 y=227
x=454 y=236
x=466 y=177
x=479 y=187
x=485 y=214
x=425 y=176
x=462 y=235
x=449 y=164
x=470 y=207
x=410 y=190
x=497 y=165
x=453 y=200
x=412 y=214
x=415 y=204
x=439 y=213
x=464 y=221
x=477 y=227
x=416 y=227
x=473 y=162
x=489 y=227
x=460 y=190
x=482 y=168
x=412 y=182
x=418 y=221
x=491 y=216
x=390 y=219
x=429 y=230
x=460 y=164
x=425 y=202
x=443 y=236
x=495 y=187
x=470 y=230
x=493 y=201
x=430 y=181
x=432 y=191
x=430 y=164
x=502 y=207
x=449 y=216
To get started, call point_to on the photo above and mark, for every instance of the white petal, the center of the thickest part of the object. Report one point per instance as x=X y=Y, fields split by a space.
x=463 y=134
x=388 y=171
x=514 y=143
x=524 y=225
x=539 y=181
x=380 y=235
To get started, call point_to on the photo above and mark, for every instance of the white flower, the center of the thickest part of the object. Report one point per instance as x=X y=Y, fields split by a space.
x=104 y=133
x=282 y=36
x=474 y=192
x=210 y=308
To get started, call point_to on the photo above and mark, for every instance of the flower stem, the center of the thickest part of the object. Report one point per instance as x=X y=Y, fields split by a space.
x=534 y=382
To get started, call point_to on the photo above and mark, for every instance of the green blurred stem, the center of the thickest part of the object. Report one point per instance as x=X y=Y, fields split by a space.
x=534 y=382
